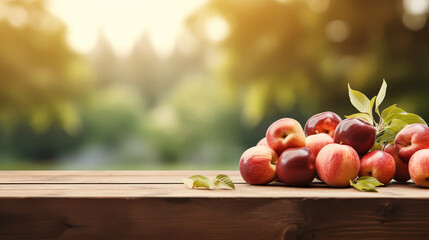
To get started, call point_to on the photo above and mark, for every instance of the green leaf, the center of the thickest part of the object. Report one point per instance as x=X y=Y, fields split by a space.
x=365 y=187
x=223 y=181
x=360 y=101
x=390 y=113
x=377 y=146
x=205 y=183
x=366 y=184
x=386 y=137
x=363 y=116
x=198 y=181
x=395 y=126
x=371 y=105
x=196 y=177
x=409 y=118
x=189 y=183
x=372 y=180
x=380 y=96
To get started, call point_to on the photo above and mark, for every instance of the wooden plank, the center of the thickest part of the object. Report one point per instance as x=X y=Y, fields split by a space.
x=316 y=191
x=107 y=176
x=213 y=218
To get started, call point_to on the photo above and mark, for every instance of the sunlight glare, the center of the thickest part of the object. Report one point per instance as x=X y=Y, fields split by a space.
x=124 y=22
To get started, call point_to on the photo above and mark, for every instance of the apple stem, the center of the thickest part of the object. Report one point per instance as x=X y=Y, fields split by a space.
x=341 y=142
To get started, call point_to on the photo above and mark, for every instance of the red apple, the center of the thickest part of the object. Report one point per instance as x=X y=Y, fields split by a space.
x=258 y=165
x=336 y=164
x=317 y=142
x=285 y=133
x=419 y=168
x=296 y=167
x=324 y=122
x=401 y=172
x=356 y=133
x=378 y=164
x=263 y=142
x=410 y=139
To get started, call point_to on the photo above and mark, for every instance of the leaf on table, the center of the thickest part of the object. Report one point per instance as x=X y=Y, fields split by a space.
x=199 y=181
x=360 y=101
x=189 y=183
x=374 y=181
x=223 y=181
x=366 y=184
x=197 y=177
x=205 y=183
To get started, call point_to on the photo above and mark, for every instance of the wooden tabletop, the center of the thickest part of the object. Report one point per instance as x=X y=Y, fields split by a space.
x=156 y=205
x=146 y=184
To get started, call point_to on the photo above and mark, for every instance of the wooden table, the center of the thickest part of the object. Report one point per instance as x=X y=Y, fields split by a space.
x=156 y=205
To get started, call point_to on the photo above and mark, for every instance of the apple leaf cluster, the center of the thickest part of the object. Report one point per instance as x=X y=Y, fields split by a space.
x=390 y=121
x=221 y=181
x=366 y=184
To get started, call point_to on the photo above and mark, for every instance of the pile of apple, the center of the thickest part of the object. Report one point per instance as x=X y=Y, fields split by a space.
x=335 y=151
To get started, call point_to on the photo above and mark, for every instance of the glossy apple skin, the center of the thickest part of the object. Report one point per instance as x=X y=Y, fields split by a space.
x=317 y=142
x=336 y=164
x=324 y=122
x=296 y=167
x=419 y=168
x=378 y=164
x=411 y=139
x=401 y=167
x=356 y=133
x=258 y=165
x=285 y=133
x=262 y=142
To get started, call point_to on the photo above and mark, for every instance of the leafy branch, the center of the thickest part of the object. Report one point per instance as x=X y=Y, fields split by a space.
x=390 y=121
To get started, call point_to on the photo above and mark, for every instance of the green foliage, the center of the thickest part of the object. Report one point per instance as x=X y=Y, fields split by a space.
x=392 y=119
x=42 y=81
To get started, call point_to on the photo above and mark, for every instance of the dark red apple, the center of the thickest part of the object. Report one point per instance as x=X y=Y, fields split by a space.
x=324 y=122
x=411 y=139
x=356 y=133
x=296 y=166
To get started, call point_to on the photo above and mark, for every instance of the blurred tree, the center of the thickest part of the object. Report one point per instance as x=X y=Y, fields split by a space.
x=296 y=57
x=42 y=80
x=104 y=62
x=143 y=67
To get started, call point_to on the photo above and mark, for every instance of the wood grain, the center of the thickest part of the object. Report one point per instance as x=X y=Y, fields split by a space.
x=318 y=191
x=108 y=176
x=198 y=218
x=155 y=205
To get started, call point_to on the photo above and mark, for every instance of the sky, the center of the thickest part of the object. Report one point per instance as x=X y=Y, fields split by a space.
x=124 y=21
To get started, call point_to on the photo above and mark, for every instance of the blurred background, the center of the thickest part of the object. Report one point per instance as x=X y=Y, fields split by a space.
x=190 y=84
